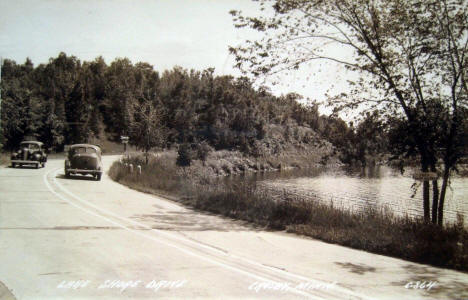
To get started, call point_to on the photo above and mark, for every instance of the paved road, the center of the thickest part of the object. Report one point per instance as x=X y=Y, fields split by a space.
x=82 y=239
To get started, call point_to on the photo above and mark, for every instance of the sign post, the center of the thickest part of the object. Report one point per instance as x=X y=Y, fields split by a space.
x=124 y=140
x=425 y=176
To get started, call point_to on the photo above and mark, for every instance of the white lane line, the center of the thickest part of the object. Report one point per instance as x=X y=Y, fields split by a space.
x=188 y=252
x=335 y=287
x=65 y=190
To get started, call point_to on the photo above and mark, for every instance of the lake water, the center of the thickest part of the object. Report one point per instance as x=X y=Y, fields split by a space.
x=380 y=188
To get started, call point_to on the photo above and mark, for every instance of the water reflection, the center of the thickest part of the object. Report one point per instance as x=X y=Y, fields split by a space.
x=379 y=187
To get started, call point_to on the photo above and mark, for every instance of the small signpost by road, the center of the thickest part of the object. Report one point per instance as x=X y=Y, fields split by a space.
x=425 y=176
x=124 y=140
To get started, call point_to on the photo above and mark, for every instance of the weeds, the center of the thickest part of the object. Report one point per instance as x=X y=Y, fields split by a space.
x=4 y=159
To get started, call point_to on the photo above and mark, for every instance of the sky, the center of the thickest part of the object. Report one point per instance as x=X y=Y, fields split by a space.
x=193 y=34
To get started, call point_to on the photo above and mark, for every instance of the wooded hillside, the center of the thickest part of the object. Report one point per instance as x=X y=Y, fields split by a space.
x=68 y=101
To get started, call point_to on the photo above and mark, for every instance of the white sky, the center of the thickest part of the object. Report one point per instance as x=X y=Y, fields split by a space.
x=188 y=33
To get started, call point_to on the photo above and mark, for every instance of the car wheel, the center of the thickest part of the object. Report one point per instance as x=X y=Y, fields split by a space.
x=98 y=177
x=13 y=165
x=67 y=174
x=43 y=165
x=37 y=166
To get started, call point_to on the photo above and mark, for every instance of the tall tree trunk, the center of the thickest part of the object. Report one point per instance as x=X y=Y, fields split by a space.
x=435 y=200
x=442 y=195
x=435 y=197
x=426 y=201
x=424 y=169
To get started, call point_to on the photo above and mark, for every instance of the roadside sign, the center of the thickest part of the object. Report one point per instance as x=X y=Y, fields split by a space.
x=124 y=139
x=425 y=176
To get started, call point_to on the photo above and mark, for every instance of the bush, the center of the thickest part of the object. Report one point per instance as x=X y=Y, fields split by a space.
x=4 y=158
x=184 y=155
x=202 y=150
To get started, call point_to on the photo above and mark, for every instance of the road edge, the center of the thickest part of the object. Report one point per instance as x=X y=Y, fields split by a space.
x=5 y=293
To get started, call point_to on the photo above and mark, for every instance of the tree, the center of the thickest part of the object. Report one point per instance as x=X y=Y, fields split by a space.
x=146 y=130
x=184 y=155
x=370 y=138
x=19 y=106
x=411 y=58
x=119 y=97
x=51 y=133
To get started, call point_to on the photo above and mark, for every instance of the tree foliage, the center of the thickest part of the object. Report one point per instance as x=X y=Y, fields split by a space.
x=411 y=58
x=146 y=129
x=69 y=101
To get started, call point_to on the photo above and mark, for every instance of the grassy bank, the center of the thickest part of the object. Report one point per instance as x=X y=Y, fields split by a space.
x=373 y=231
x=4 y=158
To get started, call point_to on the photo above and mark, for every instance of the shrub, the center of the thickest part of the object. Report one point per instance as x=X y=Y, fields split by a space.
x=184 y=155
x=202 y=150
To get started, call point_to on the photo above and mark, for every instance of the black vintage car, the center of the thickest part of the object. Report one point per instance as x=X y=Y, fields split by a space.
x=29 y=153
x=84 y=159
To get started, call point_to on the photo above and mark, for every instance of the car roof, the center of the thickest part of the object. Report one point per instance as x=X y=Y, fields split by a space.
x=32 y=142
x=86 y=146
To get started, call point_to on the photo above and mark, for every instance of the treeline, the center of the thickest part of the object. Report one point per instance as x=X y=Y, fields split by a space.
x=67 y=101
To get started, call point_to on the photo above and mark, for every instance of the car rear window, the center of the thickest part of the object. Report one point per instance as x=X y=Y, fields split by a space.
x=81 y=150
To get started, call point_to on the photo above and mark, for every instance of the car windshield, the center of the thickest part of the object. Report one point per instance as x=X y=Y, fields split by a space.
x=30 y=146
x=81 y=150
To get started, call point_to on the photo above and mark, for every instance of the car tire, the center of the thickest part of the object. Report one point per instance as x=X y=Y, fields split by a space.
x=37 y=166
x=13 y=165
x=67 y=174
x=98 y=177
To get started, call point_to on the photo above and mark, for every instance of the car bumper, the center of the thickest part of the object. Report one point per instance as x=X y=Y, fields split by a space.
x=19 y=161
x=83 y=171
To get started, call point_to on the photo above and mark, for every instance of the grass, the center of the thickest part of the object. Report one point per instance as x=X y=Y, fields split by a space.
x=4 y=159
x=374 y=231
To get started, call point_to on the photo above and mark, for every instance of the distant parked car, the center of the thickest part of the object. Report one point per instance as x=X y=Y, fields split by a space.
x=84 y=159
x=29 y=153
